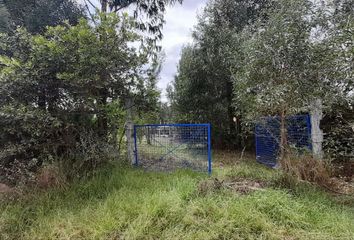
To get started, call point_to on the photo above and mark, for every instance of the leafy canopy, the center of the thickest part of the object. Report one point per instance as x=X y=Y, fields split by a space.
x=53 y=83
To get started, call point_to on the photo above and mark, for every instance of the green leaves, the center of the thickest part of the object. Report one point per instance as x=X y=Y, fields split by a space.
x=35 y=16
x=8 y=62
x=203 y=87
x=256 y=58
x=69 y=81
x=284 y=66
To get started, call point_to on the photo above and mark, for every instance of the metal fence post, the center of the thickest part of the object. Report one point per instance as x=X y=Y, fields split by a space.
x=130 y=142
x=135 y=148
x=209 y=150
x=129 y=130
x=316 y=132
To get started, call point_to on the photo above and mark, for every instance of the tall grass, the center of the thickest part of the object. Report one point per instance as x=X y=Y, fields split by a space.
x=125 y=203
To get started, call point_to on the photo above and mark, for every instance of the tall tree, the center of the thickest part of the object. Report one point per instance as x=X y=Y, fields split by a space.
x=285 y=70
x=36 y=15
x=149 y=17
x=4 y=17
x=203 y=85
x=148 y=13
x=274 y=64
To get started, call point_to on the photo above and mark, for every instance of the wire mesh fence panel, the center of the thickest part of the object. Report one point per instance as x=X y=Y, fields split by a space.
x=267 y=134
x=167 y=147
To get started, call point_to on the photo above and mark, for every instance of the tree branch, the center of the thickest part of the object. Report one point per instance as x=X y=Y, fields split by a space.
x=116 y=8
x=88 y=9
x=93 y=5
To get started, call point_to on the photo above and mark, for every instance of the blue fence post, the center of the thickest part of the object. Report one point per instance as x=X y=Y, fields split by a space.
x=309 y=131
x=256 y=141
x=135 y=147
x=209 y=150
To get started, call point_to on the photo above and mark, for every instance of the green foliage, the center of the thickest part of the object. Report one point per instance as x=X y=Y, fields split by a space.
x=294 y=57
x=4 y=18
x=259 y=58
x=149 y=9
x=273 y=78
x=36 y=15
x=339 y=128
x=120 y=202
x=287 y=69
x=147 y=104
x=148 y=14
x=26 y=135
x=202 y=90
x=78 y=76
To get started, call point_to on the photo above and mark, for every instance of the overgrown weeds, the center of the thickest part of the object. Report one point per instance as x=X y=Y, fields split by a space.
x=50 y=176
x=305 y=168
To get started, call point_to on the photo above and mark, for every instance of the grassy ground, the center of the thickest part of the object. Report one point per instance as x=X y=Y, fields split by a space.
x=126 y=203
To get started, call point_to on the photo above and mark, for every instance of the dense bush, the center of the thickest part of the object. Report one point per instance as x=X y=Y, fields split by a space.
x=62 y=93
x=338 y=127
x=27 y=133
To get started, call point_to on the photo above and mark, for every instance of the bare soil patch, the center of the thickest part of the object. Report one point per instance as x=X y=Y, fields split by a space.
x=240 y=186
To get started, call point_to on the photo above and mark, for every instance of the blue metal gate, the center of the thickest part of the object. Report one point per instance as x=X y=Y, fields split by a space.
x=167 y=147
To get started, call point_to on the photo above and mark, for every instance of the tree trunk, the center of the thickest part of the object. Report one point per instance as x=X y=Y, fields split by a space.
x=234 y=133
x=102 y=118
x=103 y=93
x=53 y=97
x=283 y=135
x=148 y=136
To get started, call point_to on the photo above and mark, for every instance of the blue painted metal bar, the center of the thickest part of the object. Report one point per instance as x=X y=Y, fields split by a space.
x=135 y=148
x=309 y=131
x=171 y=150
x=175 y=125
x=209 y=149
x=256 y=142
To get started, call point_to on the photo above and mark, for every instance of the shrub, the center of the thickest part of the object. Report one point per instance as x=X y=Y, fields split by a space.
x=88 y=153
x=26 y=135
x=303 y=167
x=57 y=92
x=338 y=126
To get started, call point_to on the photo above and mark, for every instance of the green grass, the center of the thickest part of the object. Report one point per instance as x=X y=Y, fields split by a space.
x=126 y=203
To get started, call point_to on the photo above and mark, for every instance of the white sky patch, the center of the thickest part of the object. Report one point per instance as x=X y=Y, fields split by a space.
x=180 y=20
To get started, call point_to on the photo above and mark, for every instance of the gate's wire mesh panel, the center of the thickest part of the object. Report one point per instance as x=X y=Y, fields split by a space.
x=166 y=148
x=268 y=137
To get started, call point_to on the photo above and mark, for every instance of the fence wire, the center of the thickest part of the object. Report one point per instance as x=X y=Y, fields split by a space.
x=174 y=146
x=267 y=134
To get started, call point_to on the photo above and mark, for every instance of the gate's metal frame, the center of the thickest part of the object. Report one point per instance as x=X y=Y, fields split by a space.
x=207 y=125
